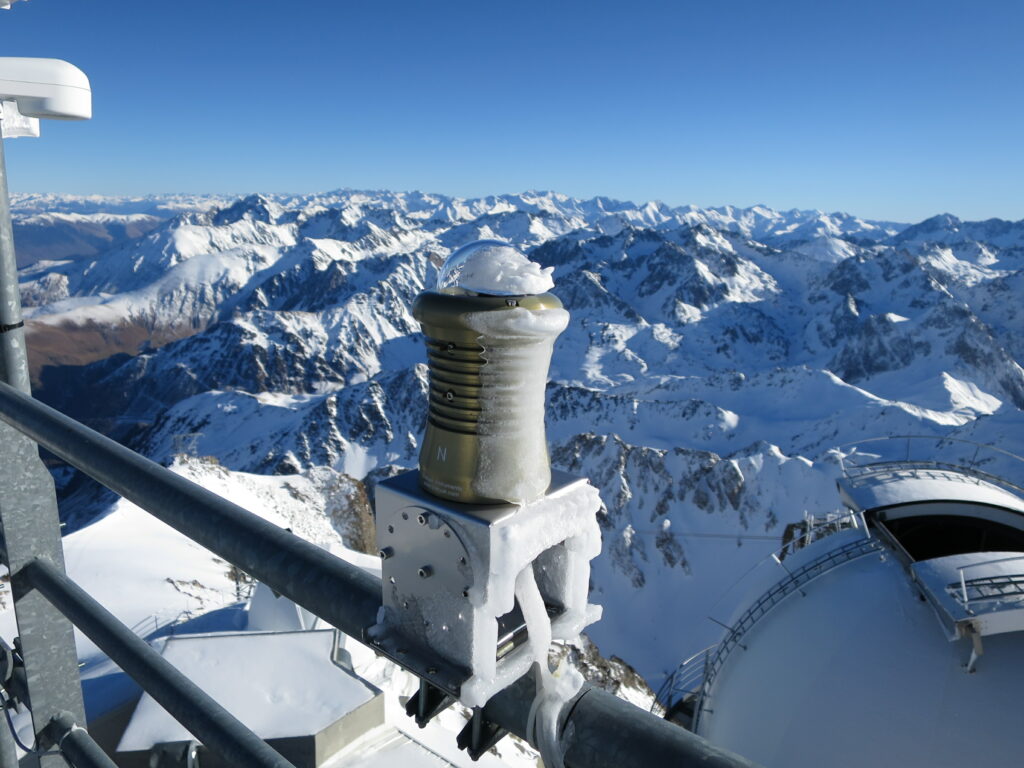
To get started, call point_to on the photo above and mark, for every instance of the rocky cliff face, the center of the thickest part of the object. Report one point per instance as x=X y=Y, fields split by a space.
x=714 y=359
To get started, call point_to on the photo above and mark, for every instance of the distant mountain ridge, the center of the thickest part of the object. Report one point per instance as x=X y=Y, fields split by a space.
x=714 y=360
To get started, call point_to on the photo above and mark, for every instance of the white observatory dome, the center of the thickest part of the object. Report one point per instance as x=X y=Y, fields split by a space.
x=899 y=644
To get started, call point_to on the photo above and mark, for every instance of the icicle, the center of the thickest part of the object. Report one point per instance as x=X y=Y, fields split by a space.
x=554 y=690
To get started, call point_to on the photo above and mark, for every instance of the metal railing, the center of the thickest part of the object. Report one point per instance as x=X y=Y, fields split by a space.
x=599 y=730
x=989 y=587
x=716 y=655
x=814 y=528
x=687 y=679
x=898 y=452
x=694 y=674
x=777 y=593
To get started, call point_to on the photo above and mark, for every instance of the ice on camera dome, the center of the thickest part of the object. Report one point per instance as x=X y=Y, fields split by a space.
x=494 y=268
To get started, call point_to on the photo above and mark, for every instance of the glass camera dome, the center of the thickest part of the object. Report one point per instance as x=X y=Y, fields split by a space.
x=494 y=268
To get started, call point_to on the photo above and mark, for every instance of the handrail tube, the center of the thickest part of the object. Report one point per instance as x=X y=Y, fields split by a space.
x=603 y=731
x=598 y=725
x=213 y=725
x=340 y=593
x=659 y=744
x=76 y=744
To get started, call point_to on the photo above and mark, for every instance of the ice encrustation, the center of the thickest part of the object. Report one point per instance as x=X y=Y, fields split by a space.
x=513 y=462
x=515 y=567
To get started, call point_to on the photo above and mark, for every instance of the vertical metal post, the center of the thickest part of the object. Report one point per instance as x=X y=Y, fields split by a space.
x=8 y=754
x=30 y=525
x=14 y=366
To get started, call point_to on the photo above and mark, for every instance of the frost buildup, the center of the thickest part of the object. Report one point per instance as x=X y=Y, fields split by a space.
x=486 y=552
x=513 y=462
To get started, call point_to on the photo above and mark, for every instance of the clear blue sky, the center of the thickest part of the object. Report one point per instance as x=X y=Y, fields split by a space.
x=897 y=109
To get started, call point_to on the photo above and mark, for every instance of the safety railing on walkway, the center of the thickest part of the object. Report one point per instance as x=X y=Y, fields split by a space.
x=993 y=587
x=794 y=581
x=865 y=459
x=686 y=680
x=689 y=677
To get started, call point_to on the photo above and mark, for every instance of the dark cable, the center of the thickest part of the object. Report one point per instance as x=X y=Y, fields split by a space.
x=6 y=703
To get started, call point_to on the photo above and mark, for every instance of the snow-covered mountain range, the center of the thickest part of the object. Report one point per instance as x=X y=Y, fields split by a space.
x=714 y=360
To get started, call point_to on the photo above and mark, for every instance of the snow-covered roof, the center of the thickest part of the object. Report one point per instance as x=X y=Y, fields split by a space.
x=387 y=748
x=278 y=684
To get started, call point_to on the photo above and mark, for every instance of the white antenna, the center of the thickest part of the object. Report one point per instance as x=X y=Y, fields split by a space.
x=45 y=88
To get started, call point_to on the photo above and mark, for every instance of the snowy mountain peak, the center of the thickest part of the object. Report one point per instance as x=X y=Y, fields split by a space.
x=714 y=357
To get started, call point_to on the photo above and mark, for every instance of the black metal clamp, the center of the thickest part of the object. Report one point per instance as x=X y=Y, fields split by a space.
x=479 y=735
x=427 y=703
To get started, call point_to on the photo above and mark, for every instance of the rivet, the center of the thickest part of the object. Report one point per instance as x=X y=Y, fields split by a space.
x=405 y=515
x=386 y=552
x=462 y=561
x=421 y=519
x=465 y=593
x=449 y=347
x=431 y=670
x=512 y=302
x=426 y=572
x=392 y=579
x=449 y=395
x=391 y=529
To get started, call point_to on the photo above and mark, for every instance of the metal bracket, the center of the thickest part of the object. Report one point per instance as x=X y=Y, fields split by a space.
x=427 y=703
x=479 y=735
x=977 y=649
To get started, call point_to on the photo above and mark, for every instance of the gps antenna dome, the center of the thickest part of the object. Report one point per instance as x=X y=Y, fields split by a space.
x=45 y=88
